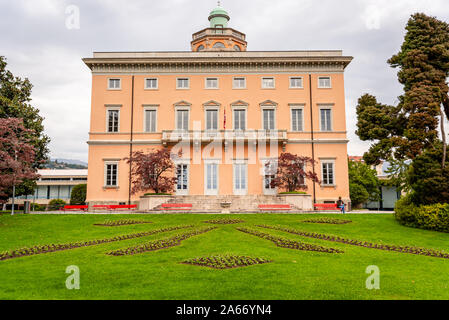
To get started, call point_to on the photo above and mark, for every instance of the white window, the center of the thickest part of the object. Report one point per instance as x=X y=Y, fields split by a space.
x=268 y=119
x=269 y=171
x=111 y=175
x=268 y=83
x=296 y=82
x=211 y=83
x=324 y=82
x=239 y=83
x=114 y=84
x=327 y=173
x=326 y=119
x=113 y=118
x=150 y=120
x=240 y=178
x=211 y=178
x=182 y=83
x=240 y=119
x=182 y=175
x=297 y=119
x=151 y=83
x=212 y=119
x=182 y=120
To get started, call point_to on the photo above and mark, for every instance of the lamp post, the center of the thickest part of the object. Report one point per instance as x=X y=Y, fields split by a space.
x=14 y=186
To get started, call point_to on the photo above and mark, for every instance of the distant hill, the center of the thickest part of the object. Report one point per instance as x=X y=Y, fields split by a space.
x=65 y=164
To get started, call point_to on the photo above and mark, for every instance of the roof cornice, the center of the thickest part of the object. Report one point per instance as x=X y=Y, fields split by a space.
x=250 y=61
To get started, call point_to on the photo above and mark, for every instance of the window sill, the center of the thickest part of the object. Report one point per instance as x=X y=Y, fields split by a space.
x=152 y=89
x=324 y=87
x=329 y=186
x=111 y=187
x=112 y=89
x=296 y=88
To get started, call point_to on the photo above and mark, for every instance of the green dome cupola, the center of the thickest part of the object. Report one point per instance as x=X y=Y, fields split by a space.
x=218 y=17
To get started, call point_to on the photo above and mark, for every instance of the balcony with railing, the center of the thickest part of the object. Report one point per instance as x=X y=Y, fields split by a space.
x=225 y=136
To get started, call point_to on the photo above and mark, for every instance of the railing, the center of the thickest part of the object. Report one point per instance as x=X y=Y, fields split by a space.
x=224 y=135
x=215 y=31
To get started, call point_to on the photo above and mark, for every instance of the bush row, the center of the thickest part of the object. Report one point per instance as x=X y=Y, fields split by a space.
x=224 y=221
x=388 y=247
x=287 y=243
x=327 y=221
x=116 y=223
x=160 y=244
x=29 y=251
x=226 y=261
x=431 y=217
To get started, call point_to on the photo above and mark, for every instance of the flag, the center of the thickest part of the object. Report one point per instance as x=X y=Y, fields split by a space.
x=224 y=120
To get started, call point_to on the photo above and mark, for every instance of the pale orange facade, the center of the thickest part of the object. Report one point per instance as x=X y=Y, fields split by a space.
x=234 y=110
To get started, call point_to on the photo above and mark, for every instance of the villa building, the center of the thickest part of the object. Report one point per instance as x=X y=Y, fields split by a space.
x=228 y=109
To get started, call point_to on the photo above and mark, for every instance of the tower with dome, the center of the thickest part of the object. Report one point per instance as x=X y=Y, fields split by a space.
x=218 y=37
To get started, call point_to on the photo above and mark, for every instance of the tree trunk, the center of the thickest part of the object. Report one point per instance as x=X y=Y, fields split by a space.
x=443 y=134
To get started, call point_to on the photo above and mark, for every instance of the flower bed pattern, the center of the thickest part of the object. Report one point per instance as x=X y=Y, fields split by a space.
x=403 y=249
x=290 y=244
x=226 y=262
x=160 y=244
x=327 y=221
x=67 y=246
x=224 y=221
x=118 y=223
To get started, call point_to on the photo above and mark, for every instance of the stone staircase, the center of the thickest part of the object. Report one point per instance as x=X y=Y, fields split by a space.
x=225 y=204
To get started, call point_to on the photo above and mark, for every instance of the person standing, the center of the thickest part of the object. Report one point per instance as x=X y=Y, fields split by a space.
x=341 y=205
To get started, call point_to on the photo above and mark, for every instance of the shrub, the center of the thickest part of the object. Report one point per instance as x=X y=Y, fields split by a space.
x=404 y=212
x=38 y=207
x=431 y=217
x=293 y=192
x=55 y=204
x=78 y=195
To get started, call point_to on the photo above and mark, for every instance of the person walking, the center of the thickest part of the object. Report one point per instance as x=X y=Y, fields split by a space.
x=341 y=205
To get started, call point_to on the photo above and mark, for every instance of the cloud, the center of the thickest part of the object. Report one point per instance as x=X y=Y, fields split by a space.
x=42 y=48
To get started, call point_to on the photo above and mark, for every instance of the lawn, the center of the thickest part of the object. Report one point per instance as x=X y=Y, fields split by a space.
x=160 y=274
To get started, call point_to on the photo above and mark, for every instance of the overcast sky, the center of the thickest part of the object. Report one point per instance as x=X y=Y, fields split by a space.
x=41 y=42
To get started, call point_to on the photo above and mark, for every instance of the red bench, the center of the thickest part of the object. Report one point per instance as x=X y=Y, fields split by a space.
x=177 y=206
x=74 y=208
x=275 y=207
x=326 y=206
x=115 y=207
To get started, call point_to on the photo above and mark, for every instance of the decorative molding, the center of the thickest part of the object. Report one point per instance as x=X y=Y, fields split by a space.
x=212 y=103
x=222 y=62
x=239 y=103
x=268 y=103
x=182 y=103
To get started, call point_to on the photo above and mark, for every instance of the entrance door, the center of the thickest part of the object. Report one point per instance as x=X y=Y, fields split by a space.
x=240 y=179
x=211 y=179
x=182 y=173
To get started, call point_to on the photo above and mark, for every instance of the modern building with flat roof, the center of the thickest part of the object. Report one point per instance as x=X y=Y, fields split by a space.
x=230 y=110
x=54 y=184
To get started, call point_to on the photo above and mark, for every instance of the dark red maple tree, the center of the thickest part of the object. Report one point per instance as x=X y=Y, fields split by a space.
x=290 y=172
x=152 y=171
x=17 y=155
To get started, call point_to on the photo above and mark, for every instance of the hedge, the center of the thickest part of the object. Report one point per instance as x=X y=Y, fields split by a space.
x=431 y=217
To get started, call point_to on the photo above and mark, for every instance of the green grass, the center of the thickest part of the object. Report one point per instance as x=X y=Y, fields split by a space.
x=293 y=274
